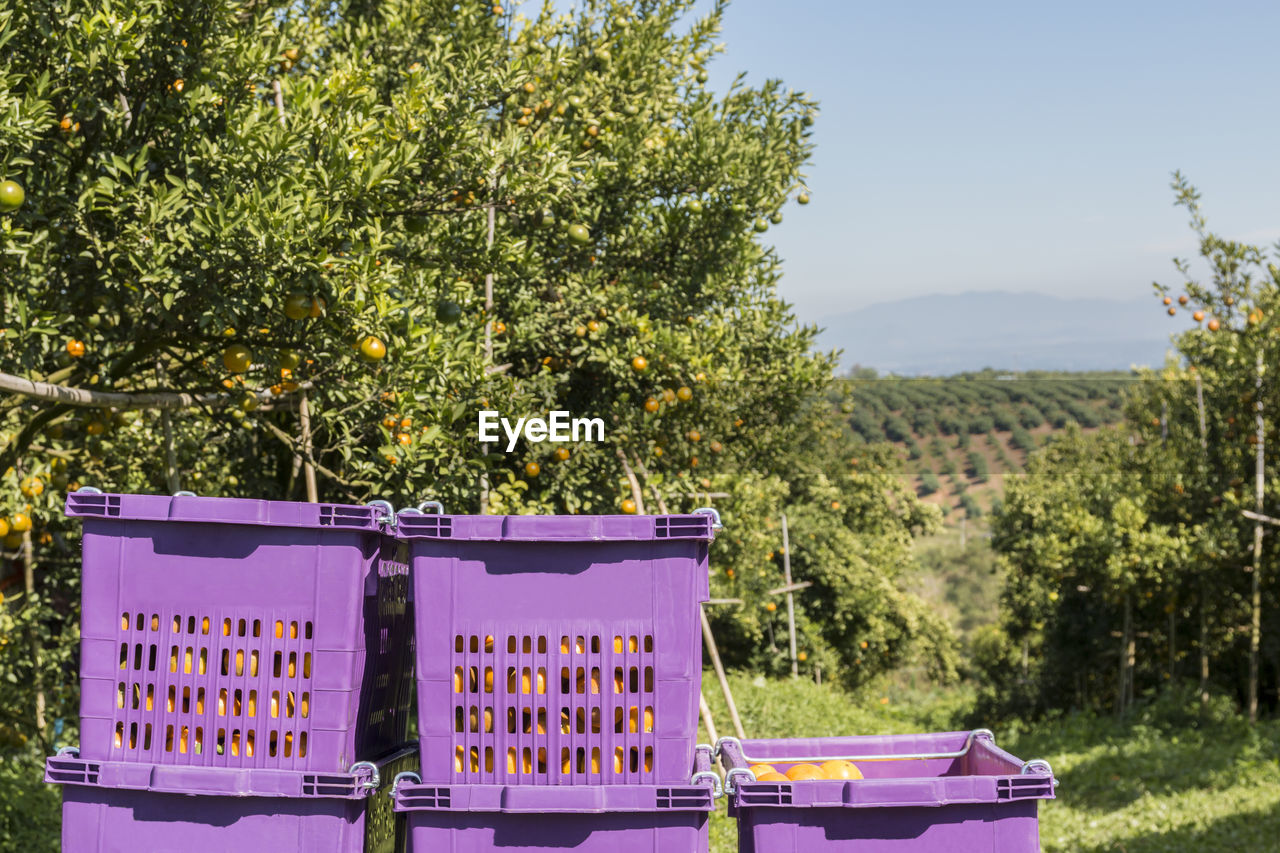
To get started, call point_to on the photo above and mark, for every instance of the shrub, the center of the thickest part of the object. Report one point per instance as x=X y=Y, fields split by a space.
x=1029 y=416
x=929 y=483
x=978 y=469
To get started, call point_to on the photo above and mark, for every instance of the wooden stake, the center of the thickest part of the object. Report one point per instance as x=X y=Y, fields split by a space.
x=1260 y=474
x=705 y=710
x=1204 y=621
x=719 y=668
x=791 y=602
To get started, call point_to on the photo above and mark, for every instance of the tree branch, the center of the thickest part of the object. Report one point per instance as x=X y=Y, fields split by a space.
x=69 y=396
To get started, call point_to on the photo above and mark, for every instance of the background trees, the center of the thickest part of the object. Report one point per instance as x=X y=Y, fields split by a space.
x=1130 y=562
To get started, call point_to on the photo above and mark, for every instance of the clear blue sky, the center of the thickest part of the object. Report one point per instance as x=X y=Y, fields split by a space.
x=1021 y=146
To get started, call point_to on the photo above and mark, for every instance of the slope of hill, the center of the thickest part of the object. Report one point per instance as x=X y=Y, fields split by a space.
x=962 y=435
x=945 y=334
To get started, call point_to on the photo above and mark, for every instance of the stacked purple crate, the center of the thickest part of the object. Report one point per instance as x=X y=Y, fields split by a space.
x=223 y=637
x=559 y=667
x=954 y=791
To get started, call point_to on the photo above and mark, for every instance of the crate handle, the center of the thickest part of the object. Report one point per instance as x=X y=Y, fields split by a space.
x=70 y=751
x=716 y=524
x=436 y=505
x=375 y=780
x=404 y=777
x=1038 y=765
x=388 y=511
x=88 y=490
x=183 y=493
x=716 y=791
x=968 y=743
x=729 y=787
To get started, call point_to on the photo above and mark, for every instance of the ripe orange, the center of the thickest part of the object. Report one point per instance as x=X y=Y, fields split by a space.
x=639 y=363
x=20 y=522
x=651 y=405
x=758 y=770
x=693 y=435
x=1173 y=311
x=771 y=607
x=668 y=395
x=405 y=423
x=629 y=506
x=75 y=348
x=840 y=770
x=1168 y=300
x=1182 y=300
x=404 y=438
x=658 y=451
x=684 y=393
x=802 y=656
x=499 y=327
x=317 y=307
x=4 y=527
x=771 y=777
x=31 y=487
x=700 y=377
x=1214 y=325
x=66 y=123
x=562 y=453
x=716 y=447
x=533 y=469
x=802 y=772
x=178 y=85
x=1198 y=316
x=593 y=326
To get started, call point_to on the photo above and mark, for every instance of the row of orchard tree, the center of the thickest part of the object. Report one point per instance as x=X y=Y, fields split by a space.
x=289 y=250
x=1135 y=558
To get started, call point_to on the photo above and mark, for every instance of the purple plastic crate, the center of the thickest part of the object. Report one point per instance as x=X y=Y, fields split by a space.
x=558 y=650
x=582 y=818
x=955 y=791
x=222 y=632
x=126 y=807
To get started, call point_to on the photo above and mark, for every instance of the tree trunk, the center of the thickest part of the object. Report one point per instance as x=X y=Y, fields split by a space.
x=29 y=585
x=1204 y=648
x=1125 y=677
x=791 y=607
x=308 y=470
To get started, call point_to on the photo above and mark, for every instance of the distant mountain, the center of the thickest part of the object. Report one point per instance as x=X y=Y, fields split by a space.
x=945 y=334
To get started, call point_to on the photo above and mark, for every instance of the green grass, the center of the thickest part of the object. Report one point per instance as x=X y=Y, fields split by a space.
x=1140 y=785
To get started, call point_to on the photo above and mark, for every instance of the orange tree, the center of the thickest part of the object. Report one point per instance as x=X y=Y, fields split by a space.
x=246 y=245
